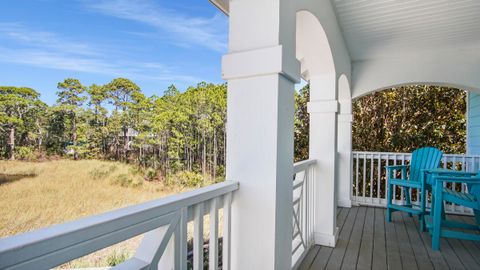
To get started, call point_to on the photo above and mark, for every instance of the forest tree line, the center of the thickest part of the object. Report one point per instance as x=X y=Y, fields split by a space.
x=179 y=131
x=186 y=131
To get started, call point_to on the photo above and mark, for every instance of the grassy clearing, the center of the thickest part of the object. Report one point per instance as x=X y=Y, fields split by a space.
x=58 y=191
x=66 y=190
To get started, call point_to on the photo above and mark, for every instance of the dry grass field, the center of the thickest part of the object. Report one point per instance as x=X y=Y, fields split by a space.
x=37 y=194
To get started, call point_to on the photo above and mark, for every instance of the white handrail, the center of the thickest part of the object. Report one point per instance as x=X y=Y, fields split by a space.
x=52 y=246
x=303 y=165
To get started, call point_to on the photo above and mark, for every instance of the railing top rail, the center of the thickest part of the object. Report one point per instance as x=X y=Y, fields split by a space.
x=47 y=240
x=303 y=165
x=408 y=154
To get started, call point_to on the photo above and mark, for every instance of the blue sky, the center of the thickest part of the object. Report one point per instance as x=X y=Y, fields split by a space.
x=155 y=43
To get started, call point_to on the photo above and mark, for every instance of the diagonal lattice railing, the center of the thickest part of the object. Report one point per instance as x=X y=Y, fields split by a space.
x=303 y=213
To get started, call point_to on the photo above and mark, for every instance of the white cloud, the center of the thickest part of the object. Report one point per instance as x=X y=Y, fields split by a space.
x=183 y=30
x=49 y=50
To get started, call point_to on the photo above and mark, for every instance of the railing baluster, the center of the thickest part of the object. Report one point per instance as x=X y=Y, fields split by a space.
x=394 y=173
x=371 y=179
x=227 y=216
x=213 y=242
x=356 y=178
x=379 y=177
x=364 y=179
x=183 y=237
x=198 y=237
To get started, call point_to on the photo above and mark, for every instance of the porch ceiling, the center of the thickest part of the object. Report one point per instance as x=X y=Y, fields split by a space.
x=375 y=29
x=389 y=28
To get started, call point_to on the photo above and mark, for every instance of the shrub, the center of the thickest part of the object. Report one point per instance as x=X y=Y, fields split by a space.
x=116 y=258
x=150 y=174
x=99 y=173
x=126 y=180
x=185 y=179
x=25 y=152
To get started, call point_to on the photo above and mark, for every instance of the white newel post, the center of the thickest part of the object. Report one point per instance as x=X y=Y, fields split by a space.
x=323 y=108
x=344 y=187
x=261 y=70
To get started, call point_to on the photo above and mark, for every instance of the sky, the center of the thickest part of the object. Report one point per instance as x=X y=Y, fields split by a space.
x=155 y=43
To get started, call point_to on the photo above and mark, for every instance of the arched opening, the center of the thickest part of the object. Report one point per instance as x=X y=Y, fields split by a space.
x=392 y=122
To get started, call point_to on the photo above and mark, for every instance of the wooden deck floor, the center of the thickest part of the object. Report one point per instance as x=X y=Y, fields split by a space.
x=366 y=241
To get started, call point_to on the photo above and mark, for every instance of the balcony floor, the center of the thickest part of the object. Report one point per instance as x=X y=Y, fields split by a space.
x=366 y=241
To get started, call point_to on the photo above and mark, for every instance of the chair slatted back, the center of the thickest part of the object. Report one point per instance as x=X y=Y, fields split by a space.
x=424 y=158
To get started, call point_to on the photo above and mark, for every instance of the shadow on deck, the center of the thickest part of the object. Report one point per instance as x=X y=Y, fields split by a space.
x=366 y=241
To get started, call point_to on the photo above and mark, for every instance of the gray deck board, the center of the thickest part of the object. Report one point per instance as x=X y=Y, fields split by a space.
x=406 y=251
x=421 y=255
x=366 y=247
x=336 y=258
x=366 y=241
x=394 y=260
x=351 y=254
x=379 y=255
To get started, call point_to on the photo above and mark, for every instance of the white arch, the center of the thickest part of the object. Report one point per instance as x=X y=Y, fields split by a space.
x=313 y=49
x=458 y=70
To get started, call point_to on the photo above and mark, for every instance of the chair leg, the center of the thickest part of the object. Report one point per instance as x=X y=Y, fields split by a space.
x=406 y=192
x=437 y=219
x=389 y=202
x=422 y=208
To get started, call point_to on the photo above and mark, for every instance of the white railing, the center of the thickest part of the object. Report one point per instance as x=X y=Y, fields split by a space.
x=303 y=214
x=369 y=177
x=164 y=223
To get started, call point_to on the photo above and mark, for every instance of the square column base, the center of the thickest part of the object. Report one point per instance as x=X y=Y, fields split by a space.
x=345 y=203
x=328 y=240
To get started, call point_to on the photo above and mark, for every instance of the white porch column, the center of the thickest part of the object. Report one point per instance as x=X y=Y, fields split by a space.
x=323 y=108
x=344 y=187
x=261 y=70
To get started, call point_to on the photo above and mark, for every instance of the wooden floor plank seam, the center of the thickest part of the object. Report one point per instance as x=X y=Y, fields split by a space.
x=364 y=233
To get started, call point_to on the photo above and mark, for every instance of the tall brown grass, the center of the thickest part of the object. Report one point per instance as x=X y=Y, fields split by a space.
x=65 y=190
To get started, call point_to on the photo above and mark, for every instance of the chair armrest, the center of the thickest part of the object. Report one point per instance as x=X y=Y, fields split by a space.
x=446 y=178
x=444 y=172
x=396 y=167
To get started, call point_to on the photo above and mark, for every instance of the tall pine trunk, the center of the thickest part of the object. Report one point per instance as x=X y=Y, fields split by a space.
x=11 y=143
x=74 y=137
x=214 y=154
x=204 y=155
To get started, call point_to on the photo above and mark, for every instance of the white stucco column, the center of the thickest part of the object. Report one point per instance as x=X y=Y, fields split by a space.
x=344 y=186
x=261 y=70
x=323 y=108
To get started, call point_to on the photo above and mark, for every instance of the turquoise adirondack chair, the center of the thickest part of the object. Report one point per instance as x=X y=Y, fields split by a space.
x=437 y=224
x=422 y=159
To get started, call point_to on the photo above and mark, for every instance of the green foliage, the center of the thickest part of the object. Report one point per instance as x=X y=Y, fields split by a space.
x=186 y=179
x=405 y=118
x=25 y=152
x=397 y=120
x=19 y=107
x=302 y=124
